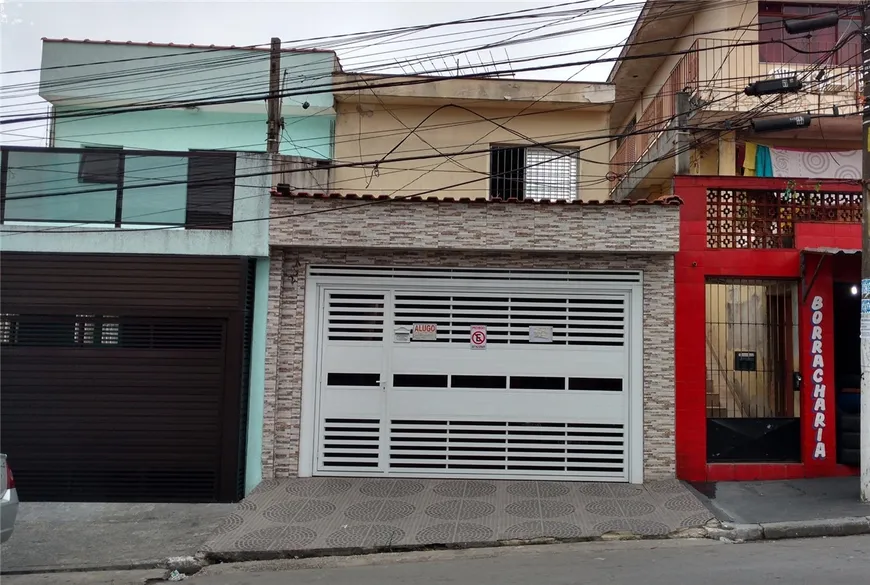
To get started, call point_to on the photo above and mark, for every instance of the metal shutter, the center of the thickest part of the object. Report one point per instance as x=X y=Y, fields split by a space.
x=121 y=376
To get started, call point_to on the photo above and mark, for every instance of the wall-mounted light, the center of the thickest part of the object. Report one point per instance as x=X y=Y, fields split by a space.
x=854 y=290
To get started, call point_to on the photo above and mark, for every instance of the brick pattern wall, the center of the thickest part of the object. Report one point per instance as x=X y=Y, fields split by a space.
x=445 y=225
x=283 y=393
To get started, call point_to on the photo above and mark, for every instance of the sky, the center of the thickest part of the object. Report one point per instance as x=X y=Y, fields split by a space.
x=24 y=23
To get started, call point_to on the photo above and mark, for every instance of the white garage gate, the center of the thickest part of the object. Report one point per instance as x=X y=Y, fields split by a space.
x=393 y=384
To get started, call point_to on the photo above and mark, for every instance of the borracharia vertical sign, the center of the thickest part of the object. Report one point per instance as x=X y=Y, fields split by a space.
x=818 y=379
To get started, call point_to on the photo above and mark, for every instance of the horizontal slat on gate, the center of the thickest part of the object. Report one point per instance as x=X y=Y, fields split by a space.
x=172 y=282
x=579 y=450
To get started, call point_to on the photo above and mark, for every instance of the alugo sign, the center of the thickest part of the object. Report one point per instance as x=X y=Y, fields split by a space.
x=425 y=332
x=818 y=380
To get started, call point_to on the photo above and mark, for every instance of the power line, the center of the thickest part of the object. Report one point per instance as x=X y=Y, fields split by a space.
x=381 y=160
x=623 y=8
x=308 y=91
x=321 y=40
x=185 y=181
x=538 y=57
x=380 y=134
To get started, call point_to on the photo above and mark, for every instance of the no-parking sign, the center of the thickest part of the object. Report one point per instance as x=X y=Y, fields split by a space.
x=478 y=337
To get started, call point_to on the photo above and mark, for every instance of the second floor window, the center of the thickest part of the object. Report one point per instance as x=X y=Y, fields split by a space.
x=627 y=131
x=539 y=173
x=112 y=186
x=818 y=44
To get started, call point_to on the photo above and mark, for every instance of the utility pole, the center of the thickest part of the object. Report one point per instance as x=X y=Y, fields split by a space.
x=865 y=257
x=766 y=87
x=273 y=109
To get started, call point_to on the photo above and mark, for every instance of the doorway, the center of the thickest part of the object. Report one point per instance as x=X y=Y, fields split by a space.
x=847 y=371
x=752 y=356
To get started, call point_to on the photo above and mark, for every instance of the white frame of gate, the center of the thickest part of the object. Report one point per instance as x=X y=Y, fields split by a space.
x=316 y=286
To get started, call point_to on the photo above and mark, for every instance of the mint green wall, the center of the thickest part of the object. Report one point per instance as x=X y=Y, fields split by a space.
x=249 y=236
x=182 y=130
x=253 y=466
x=95 y=72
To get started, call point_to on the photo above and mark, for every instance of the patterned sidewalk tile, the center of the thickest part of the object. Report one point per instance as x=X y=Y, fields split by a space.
x=359 y=513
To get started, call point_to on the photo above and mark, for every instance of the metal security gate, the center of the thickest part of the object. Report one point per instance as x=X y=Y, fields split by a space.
x=122 y=376
x=402 y=388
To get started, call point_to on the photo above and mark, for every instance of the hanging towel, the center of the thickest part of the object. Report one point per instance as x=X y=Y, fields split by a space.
x=763 y=162
x=749 y=159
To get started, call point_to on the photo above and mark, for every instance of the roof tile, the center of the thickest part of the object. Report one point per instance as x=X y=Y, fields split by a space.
x=666 y=200
x=182 y=45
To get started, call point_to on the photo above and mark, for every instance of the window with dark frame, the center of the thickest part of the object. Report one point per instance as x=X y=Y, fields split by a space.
x=538 y=173
x=210 y=188
x=210 y=185
x=812 y=47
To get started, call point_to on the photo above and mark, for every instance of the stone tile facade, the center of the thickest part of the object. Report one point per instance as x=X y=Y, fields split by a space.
x=283 y=392
x=473 y=225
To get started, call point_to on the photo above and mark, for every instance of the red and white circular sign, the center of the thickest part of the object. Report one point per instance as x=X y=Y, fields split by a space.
x=478 y=336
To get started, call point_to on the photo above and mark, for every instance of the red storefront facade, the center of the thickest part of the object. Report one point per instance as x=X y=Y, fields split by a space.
x=765 y=270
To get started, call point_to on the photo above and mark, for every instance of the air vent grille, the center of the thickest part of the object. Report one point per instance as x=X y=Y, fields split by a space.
x=576 y=449
x=350 y=444
x=590 y=321
x=355 y=316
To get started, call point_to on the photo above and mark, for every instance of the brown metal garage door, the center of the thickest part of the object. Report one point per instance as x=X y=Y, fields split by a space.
x=122 y=376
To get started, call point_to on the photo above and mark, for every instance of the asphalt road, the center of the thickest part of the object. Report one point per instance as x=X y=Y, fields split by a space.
x=833 y=561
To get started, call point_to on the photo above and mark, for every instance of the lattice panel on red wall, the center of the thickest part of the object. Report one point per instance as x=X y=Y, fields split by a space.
x=766 y=218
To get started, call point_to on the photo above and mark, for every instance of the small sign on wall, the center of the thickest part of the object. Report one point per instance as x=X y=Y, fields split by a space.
x=540 y=334
x=745 y=361
x=478 y=337
x=402 y=335
x=425 y=332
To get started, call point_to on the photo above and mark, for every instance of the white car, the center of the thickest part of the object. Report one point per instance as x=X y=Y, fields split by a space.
x=8 y=502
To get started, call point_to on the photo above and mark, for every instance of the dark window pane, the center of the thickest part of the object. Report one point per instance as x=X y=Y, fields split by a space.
x=353 y=379
x=499 y=382
x=420 y=381
x=596 y=384
x=210 y=187
x=537 y=383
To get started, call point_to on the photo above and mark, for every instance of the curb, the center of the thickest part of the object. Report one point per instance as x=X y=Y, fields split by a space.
x=736 y=533
x=714 y=530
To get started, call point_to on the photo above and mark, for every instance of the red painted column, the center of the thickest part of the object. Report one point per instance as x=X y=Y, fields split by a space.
x=689 y=323
x=818 y=404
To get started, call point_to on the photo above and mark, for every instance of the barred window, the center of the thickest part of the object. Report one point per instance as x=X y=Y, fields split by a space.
x=518 y=172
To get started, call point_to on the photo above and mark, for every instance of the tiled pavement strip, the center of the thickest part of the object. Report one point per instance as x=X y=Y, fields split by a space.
x=333 y=515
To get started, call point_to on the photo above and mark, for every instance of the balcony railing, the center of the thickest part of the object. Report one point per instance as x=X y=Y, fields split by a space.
x=715 y=72
x=726 y=67
x=114 y=187
x=765 y=218
x=656 y=118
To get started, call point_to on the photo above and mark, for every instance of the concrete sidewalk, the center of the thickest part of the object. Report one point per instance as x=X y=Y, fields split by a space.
x=77 y=536
x=784 y=501
x=775 y=510
x=317 y=516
